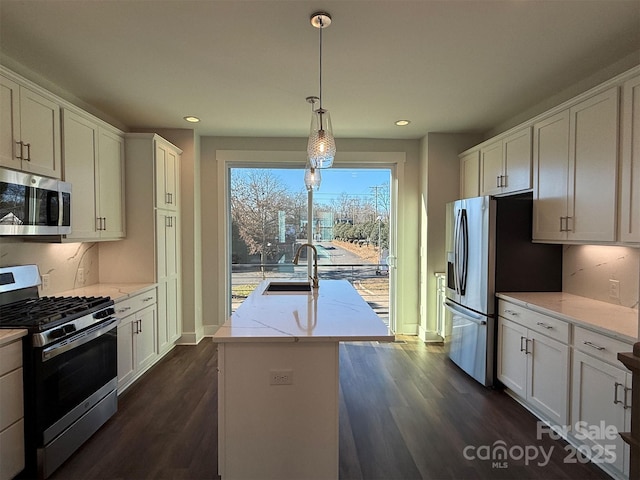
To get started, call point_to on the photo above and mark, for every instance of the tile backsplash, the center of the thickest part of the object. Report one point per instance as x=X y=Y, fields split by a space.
x=587 y=269
x=60 y=261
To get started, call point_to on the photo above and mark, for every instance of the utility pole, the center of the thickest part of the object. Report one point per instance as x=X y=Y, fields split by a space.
x=379 y=220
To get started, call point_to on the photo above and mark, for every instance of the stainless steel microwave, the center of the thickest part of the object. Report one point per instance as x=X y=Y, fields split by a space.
x=33 y=205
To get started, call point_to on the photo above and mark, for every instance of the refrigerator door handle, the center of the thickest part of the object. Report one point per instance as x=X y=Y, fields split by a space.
x=479 y=319
x=456 y=253
x=464 y=222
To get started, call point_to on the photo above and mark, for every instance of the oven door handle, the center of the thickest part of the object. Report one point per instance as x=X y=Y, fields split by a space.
x=79 y=339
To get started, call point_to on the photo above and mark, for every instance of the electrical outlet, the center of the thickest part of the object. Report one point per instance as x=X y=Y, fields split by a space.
x=45 y=282
x=281 y=377
x=81 y=276
x=614 y=289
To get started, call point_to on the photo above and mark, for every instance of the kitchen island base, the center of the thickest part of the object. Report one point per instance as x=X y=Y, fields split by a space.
x=272 y=430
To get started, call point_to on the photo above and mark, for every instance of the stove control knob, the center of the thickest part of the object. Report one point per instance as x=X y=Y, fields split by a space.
x=69 y=329
x=56 y=333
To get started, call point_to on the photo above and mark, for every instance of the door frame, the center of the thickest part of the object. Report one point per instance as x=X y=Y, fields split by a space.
x=227 y=159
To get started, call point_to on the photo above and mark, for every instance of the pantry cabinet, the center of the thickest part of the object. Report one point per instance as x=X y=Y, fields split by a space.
x=151 y=251
x=531 y=363
x=506 y=164
x=575 y=172
x=601 y=396
x=29 y=130
x=94 y=165
x=137 y=336
x=630 y=171
x=470 y=174
x=12 y=411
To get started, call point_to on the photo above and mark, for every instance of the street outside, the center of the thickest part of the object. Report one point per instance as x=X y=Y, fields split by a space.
x=336 y=260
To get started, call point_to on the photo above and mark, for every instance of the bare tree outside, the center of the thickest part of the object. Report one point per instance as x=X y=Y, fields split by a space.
x=257 y=198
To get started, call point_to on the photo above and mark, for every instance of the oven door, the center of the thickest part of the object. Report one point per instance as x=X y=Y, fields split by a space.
x=73 y=375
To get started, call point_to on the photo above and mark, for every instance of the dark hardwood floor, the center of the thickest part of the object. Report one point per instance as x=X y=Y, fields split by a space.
x=406 y=412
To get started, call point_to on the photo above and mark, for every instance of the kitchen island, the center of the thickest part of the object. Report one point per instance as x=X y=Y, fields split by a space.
x=278 y=378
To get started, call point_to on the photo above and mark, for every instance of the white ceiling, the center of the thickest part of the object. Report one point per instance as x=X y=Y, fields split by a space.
x=245 y=67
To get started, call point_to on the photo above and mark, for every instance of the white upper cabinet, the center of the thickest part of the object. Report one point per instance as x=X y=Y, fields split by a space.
x=630 y=177
x=29 y=130
x=506 y=164
x=94 y=165
x=166 y=175
x=575 y=172
x=470 y=174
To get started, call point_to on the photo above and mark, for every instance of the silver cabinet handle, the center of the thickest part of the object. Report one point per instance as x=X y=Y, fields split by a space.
x=28 y=157
x=512 y=313
x=615 y=392
x=503 y=181
x=593 y=345
x=169 y=198
x=569 y=229
x=498 y=182
x=104 y=226
x=523 y=349
x=626 y=390
x=140 y=323
x=562 y=228
x=147 y=299
x=124 y=309
x=544 y=325
x=19 y=149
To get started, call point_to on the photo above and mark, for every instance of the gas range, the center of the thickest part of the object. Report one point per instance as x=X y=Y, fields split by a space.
x=69 y=366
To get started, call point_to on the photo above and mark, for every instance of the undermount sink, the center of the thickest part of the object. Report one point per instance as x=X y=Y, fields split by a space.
x=288 y=287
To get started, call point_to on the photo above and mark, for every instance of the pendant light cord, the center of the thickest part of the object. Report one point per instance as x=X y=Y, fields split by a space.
x=321 y=28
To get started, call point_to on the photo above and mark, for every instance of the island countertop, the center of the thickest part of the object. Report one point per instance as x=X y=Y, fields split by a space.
x=333 y=312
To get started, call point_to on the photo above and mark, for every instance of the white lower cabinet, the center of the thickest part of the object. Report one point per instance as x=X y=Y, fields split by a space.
x=11 y=411
x=601 y=400
x=137 y=337
x=536 y=368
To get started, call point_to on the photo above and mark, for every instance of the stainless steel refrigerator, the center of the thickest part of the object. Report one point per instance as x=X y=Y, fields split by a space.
x=489 y=250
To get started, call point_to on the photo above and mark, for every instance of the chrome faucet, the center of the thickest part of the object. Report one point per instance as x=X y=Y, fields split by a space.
x=296 y=257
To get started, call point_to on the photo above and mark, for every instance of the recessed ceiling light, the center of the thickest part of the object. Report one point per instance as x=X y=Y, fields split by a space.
x=402 y=123
x=191 y=119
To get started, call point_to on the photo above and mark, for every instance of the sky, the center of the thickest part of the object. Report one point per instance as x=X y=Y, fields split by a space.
x=336 y=181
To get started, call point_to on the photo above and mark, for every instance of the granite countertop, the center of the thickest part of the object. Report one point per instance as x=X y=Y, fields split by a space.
x=333 y=312
x=8 y=336
x=117 y=291
x=612 y=320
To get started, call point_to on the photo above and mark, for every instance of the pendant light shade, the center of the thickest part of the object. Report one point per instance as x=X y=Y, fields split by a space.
x=312 y=178
x=321 y=148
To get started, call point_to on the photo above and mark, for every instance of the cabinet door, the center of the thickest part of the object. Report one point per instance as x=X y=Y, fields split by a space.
x=512 y=359
x=146 y=337
x=470 y=175
x=111 y=184
x=548 y=377
x=593 y=162
x=630 y=178
x=80 y=153
x=126 y=351
x=161 y=168
x=40 y=132
x=174 y=319
x=171 y=175
x=166 y=177
x=550 y=176
x=9 y=123
x=517 y=161
x=491 y=169
x=597 y=392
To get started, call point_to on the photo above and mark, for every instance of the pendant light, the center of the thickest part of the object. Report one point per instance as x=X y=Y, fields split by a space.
x=321 y=148
x=312 y=178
